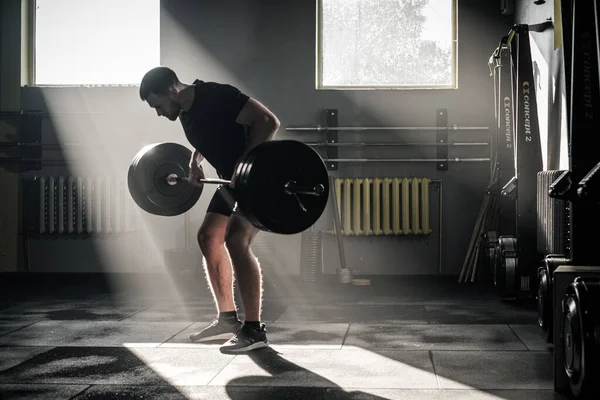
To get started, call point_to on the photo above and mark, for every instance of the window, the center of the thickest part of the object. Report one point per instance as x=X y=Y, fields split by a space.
x=95 y=42
x=385 y=44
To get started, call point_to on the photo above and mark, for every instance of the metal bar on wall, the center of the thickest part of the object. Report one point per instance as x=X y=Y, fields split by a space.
x=55 y=113
x=35 y=163
x=320 y=128
x=323 y=144
x=331 y=118
x=455 y=159
x=315 y=144
x=442 y=138
x=46 y=145
x=333 y=160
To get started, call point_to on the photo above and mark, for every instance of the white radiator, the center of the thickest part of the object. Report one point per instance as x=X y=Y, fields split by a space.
x=75 y=205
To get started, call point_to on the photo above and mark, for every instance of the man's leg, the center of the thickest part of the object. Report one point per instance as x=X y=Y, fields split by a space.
x=218 y=268
x=247 y=269
x=217 y=264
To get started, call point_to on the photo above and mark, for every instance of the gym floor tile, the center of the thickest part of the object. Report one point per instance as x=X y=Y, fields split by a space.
x=288 y=335
x=12 y=356
x=37 y=310
x=141 y=303
x=499 y=314
x=64 y=311
x=329 y=368
x=7 y=326
x=433 y=337
x=531 y=336
x=39 y=392
x=197 y=312
x=106 y=392
x=401 y=301
x=167 y=313
x=94 y=333
x=103 y=392
x=117 y=365
x=493 y=370
x=428 y=394
x=344 y=314
x=109 y=392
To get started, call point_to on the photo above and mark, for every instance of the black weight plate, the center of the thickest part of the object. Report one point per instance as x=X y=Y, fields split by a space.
x=244 y=195
x=147 y=180
x=581 y=318
x=507 y=269
x=260 y=186
x=135 y=188
x=544 y=304
x=545 y=290
x=573 y=337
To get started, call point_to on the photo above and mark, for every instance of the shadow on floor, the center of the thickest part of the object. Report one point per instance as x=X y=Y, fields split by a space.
x=258 y=387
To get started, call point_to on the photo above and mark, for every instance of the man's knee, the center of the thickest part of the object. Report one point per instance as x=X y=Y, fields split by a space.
x=239 y=237
x=209 y=240
x=211 y=235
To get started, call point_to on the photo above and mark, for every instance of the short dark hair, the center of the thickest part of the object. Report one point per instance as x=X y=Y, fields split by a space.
x=158 y=81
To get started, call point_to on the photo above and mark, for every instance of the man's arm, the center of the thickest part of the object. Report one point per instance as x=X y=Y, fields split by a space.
x=197 y=157
x=262 y=122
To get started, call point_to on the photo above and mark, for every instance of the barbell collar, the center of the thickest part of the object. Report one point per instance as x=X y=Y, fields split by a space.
x=292 y=187
x=173 y=179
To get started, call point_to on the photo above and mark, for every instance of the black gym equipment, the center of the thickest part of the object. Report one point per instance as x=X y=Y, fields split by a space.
x=581 y=331
x=518 y=160
x=281 y=186
x=503 y=160
x=576 y=287
x=545 y=290
x=553 y=232
x=583 y=123
x=489 y=254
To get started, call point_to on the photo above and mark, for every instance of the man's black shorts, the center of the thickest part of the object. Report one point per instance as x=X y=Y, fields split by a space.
x=222 y=202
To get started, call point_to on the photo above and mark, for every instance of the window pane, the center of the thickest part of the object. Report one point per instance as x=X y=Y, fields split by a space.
x=387 y=43
x=95 y=41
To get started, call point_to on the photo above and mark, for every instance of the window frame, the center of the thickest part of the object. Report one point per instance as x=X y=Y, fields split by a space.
x=28 y=52
x=319 y=60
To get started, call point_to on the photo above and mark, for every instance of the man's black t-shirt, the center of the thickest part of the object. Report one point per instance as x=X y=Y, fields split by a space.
x=210 y=126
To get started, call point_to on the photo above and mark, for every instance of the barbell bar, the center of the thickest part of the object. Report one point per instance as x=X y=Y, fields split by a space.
x=290 y=187
x=280 y=186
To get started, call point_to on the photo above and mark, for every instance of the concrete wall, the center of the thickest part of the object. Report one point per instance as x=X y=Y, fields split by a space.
x=267 y=49
x=9 y=101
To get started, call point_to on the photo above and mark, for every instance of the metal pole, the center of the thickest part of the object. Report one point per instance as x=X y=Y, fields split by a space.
x=365 y=144
x=49 y=114
x=46 y=145
x=316 y=144
x=320 y=128
x=456 y=159
x=338 y=227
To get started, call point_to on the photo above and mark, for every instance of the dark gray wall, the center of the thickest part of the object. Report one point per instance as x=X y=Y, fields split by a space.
x=267 y=49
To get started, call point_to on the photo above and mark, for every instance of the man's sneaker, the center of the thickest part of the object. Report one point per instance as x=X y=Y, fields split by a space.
x=246 y=339
x=217 y=330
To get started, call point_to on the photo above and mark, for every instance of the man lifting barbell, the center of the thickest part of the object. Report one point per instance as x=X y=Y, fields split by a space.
x=222 y=124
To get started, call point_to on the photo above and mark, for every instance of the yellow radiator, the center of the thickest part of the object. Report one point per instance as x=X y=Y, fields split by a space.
x=383 y=206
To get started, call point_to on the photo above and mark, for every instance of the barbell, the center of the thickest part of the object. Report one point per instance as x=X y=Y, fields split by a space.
x=281 y=186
